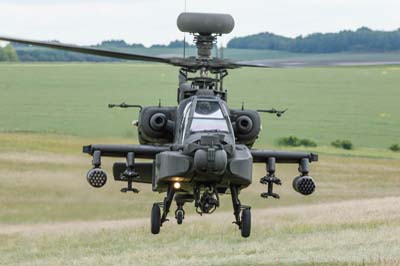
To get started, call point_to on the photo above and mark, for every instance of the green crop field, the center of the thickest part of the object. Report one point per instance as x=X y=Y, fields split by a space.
x=359 y=104
x=49 y=215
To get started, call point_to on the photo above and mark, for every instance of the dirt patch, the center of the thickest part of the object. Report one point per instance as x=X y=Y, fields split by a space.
x=350 y=211
x=326 y=213
x=43 y=157
x=71 y=227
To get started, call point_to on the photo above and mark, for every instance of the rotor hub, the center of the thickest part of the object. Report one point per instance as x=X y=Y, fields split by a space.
x=204 y=44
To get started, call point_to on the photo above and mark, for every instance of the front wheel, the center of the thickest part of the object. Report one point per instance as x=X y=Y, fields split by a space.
x=246 y=223
x=155 y=219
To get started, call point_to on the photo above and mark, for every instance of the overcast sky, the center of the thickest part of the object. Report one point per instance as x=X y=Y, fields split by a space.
x=154 y=21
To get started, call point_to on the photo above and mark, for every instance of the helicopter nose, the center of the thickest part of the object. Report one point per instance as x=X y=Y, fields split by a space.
x=210 y=161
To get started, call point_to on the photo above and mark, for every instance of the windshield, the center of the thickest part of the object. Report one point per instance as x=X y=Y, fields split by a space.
x=208 y=116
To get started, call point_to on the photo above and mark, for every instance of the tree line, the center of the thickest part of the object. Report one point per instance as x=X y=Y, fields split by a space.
x=8 y=54
x=361 y=40
x=28 y=53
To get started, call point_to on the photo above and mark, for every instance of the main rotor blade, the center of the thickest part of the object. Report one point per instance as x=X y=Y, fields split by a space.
x=87 y=50
x=249 y=64
x=300 y=63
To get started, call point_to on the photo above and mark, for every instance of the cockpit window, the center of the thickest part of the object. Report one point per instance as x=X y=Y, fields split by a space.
x=208 y=110
x=208 y=116
x=186 y=112
x=214 y=125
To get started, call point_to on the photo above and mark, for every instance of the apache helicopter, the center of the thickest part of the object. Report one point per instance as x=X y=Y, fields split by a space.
x=200 y=149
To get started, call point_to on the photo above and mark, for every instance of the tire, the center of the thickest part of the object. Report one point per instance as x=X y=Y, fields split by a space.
x=179 y=217
x=155 y=219
x=246 y=223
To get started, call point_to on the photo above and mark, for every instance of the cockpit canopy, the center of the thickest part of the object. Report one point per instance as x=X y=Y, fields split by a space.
x=204 y=115
x=208 y=117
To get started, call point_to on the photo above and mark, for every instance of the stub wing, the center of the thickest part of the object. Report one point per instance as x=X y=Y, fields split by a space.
x=139 y=151
x=262 y=156
x=131 y=171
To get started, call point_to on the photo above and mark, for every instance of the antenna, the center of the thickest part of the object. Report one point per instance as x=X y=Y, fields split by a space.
x=184 y=35
x=216 y=49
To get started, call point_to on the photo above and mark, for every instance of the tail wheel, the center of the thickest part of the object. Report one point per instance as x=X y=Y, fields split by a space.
x=179 y=216
x=155 y=219
x=246 y=223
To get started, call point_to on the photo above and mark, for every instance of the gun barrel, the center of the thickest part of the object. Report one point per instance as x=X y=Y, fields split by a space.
x=124 y=105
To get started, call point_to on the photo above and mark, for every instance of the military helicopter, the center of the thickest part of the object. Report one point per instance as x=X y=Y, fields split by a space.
x=201 y=148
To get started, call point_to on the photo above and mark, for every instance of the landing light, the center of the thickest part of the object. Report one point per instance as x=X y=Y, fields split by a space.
x=177 y=185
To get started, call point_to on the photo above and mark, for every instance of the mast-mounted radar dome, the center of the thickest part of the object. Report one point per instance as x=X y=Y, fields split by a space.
x=205 y=23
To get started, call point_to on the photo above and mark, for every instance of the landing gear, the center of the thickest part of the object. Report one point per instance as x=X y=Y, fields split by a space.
x=246 y=223
x=241 y=212
x=159 y=219
x=179 y=213
x=205 y=203
x=155 y=219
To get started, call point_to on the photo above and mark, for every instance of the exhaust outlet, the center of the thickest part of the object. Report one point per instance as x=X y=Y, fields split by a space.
x=97 y=177
x=305 y=185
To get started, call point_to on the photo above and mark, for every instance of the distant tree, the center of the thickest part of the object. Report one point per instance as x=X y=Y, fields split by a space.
x=10 y=53
x=178 y=44
x=119 y=44
x=361 y=40
x=3 y=56
x=19 y=45
x=113 y=43
x=172 y=44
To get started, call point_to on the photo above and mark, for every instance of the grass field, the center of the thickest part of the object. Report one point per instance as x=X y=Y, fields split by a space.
x=359 y=104
x=49 y=215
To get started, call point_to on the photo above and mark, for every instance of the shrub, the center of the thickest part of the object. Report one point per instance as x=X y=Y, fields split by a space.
x=289 y=141
x=337 y=143
x=395 y=147
x=308 y=143
x=296 y=142
x=342 y=144
x=347 y=145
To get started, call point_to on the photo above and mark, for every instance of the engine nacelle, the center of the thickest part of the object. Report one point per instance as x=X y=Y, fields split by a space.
x=158 y=122
x=156 y=125
x=246 y=125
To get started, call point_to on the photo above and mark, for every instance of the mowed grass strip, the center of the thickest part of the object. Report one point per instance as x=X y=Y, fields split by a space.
x=43 y=178
x=359 y=104
x=49 y=215
x=360 y=232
